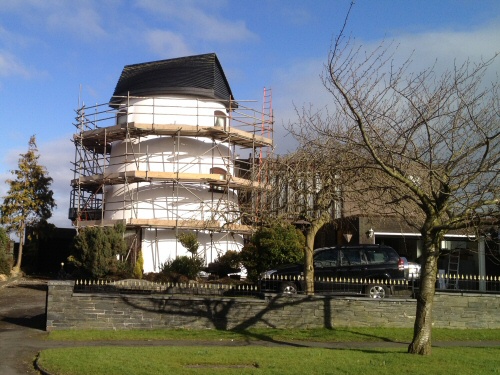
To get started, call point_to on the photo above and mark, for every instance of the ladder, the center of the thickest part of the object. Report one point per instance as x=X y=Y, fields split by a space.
x=267 y=121
x=453 y=269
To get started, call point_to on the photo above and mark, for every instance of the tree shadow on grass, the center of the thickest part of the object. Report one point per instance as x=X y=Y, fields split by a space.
x=218 y=312
x=379 y=338
x=233 y=314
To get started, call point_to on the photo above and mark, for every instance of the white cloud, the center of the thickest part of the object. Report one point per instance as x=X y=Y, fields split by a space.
x=446 y=48
x=200 y=20
x=166 y=43
x=10 y=65
x=296 y=16
x=10 y=39
x=218 y=29
x=78 y=18
x=56 y=155
x=299 y=83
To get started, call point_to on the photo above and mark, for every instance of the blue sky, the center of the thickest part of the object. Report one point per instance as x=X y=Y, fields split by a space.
x=52 y=52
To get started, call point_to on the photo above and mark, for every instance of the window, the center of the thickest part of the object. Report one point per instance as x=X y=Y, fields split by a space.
x=353 y=256
x=327 y=258
x=218 y=188
x=220 y=119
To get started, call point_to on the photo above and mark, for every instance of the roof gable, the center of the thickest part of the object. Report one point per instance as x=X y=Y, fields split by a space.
x=199 y=75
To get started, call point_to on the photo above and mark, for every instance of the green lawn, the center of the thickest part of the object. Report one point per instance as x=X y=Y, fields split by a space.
x=257 y=359
x=265 y=360
x=318 y=335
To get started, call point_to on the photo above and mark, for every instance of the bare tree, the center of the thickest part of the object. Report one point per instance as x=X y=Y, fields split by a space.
x=424 y=146
x=305 y=192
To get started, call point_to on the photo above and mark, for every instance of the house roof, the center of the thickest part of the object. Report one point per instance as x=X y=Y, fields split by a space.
x=391 y=226
x=199 y=75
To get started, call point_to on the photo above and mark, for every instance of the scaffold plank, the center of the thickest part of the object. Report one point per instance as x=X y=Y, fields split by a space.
x=95 y=139
x=115 y=178
x=208 y=225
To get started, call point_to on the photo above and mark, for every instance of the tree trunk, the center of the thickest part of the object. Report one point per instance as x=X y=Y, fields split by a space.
x=17 y=267
x=422 y=331
x=311 y=232
x=309 y=261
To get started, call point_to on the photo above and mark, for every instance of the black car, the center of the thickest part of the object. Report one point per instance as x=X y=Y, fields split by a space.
x=372 y=270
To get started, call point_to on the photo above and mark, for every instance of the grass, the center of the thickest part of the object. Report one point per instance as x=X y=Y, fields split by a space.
x=260 y=359
x=265 y=360
x=317 y=335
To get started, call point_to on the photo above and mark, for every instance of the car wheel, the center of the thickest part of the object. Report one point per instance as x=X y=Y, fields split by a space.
x=288 y=288
x=376 y=291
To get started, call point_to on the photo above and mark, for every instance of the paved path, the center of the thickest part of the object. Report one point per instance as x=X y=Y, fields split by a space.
x=22 y=323
x=23 y=336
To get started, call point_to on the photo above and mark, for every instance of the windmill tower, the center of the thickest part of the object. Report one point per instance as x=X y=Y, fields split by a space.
x=162 y=157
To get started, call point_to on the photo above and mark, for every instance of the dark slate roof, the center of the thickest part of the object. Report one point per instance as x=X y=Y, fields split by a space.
x=199 y=75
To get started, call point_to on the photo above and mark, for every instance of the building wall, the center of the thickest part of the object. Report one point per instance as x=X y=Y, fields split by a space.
x=68 y=310
x=173 y=201
x=160 y=245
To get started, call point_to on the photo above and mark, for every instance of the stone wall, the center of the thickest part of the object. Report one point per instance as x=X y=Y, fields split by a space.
x=69 y=310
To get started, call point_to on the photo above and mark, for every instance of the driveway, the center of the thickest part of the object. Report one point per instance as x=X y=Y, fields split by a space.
x=22 y=324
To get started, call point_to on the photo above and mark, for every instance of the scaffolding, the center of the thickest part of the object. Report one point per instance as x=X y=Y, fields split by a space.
x=243 y=129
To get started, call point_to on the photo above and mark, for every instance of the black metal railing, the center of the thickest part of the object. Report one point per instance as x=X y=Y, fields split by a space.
x=468 y=283
x=295 y=285
x=370 y=287
x=147 y=287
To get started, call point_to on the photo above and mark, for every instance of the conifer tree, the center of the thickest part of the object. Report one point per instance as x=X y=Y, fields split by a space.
x=29 y=199
x=4 y=260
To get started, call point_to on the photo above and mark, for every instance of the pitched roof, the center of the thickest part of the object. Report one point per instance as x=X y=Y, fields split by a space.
x=199 y=75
